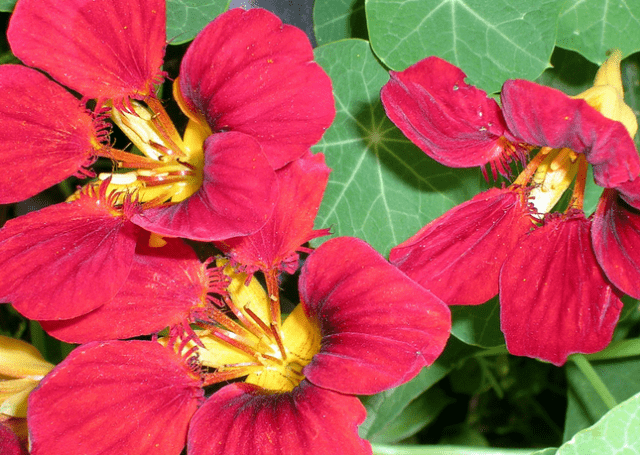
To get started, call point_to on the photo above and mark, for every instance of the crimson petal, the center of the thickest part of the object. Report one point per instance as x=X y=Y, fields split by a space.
x=100 y=48
x=378 y=327
x=616 y=240
x=545 y=116
x=554 y=298
x=458 y=256
x=164 y=284
x=124 y=397
x=9 y=442
x=454 y=123
x=236 y=198
x=301 y=183
x=46 y=135
x=66 y=259
x=248 y=72
x=240 y=419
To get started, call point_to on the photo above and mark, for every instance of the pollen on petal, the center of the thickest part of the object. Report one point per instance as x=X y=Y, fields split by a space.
x=454 y=123
x=555 y=299
x=46 y=135
x=459 y=255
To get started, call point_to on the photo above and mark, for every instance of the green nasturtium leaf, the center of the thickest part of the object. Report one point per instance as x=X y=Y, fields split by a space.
x=185 y=18
x=615 y=434
x=549 y=451
x=593 y=27
x=334 y=20
x=382 y=188
x=490 y=41
x=585 y=407
x=7 y=5
x=478 y=325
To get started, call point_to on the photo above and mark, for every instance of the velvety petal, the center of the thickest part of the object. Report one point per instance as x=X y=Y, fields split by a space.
x=118 y=397
x=46 y=135
x=630 y=192
x=66 y=259
x=458 y=256
x=99 y=48
x=545 y=116
x=454 y=123
x=301 y=185
x=379 y=328
x=241 y=419
x=9 y=442
x=164 y=284
x=615 y=233
x=248 y=72
x=554 y=298
x=236 y=198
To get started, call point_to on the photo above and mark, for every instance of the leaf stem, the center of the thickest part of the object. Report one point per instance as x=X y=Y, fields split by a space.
x=383 y=449
x=583 y=364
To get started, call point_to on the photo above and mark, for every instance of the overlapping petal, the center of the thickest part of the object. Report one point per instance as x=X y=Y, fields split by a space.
x=545 y=116
x=472 y=241
x=99 y=48
x=46 y=135
x=9 y=442
x=454 y=123
x=237 y=196
x=162 y=287
x=240 y=419
x=554 y=298
x=133 y=397
x=301 y=183
x=378 y=327
x=248 y=72
x=66 y=259
x=615 y=233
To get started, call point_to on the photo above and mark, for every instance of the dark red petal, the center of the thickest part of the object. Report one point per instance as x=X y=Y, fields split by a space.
x=378 y=327
x=248 y=72
x=630 y=192
x=454 y=123
x=554 y=298
x=236 y=198
x=118 y=397
x=9 y=442
x=100 y=48
x=241 y=419
x=164 y=284
x=544 y=116
x=66 y=259
x=46 y=135
x=302 y=183
x=615 y=233
x=458 y=256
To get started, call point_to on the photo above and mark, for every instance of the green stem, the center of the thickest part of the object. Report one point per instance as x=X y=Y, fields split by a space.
x=383 y=449
x=617 y=350
x=583 y=364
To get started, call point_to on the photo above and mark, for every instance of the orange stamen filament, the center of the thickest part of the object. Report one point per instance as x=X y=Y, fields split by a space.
x=577 y=197
x=532 y=167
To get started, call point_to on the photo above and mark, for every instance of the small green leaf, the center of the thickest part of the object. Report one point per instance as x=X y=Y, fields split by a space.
x=585 y=407
x=420 y=412
x=334 y=20
x=616 y=433
x=595 y=26
x=478 y=325
x=489 y=41
x=383 y=188
x=185 y=18
x=7 y=5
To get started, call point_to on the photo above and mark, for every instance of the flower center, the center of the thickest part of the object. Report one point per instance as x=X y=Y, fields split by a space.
x=169 y=168
x=250 y=342
x=550 y=173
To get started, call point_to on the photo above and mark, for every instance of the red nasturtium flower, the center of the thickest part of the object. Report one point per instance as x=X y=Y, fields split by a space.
x=362 y=326
x=255 y=102
x=551 y=269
